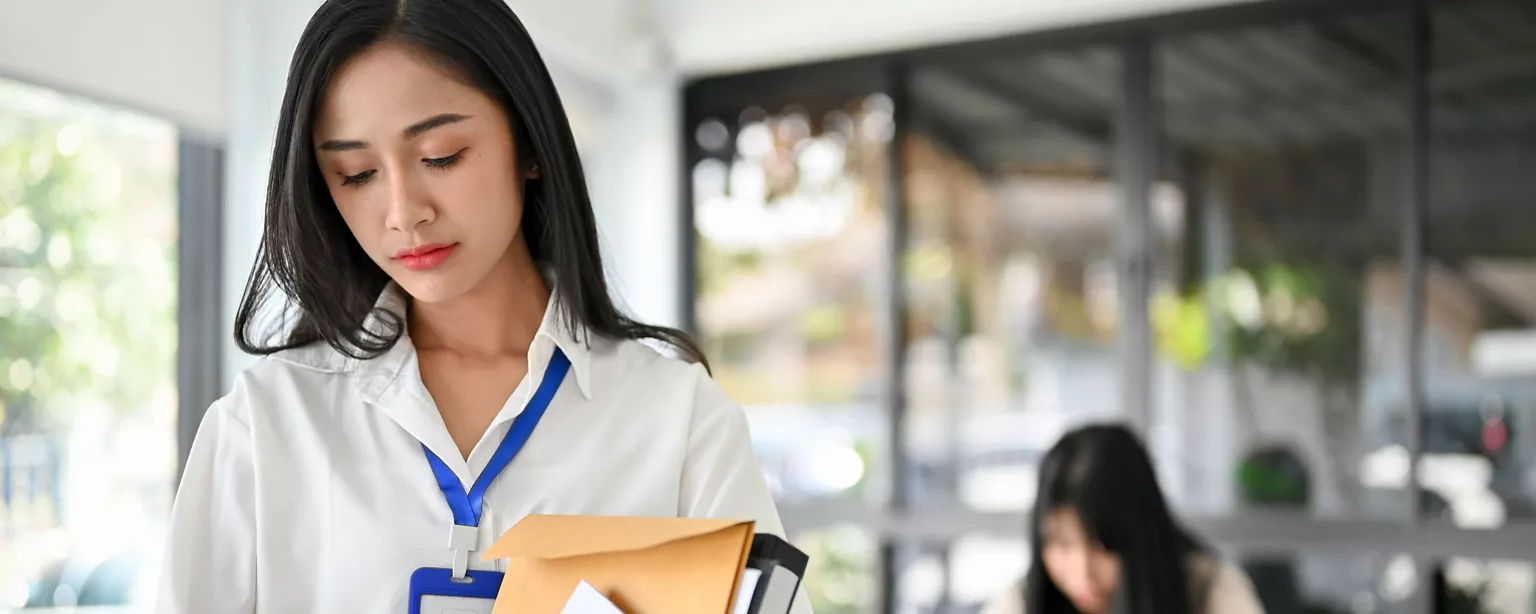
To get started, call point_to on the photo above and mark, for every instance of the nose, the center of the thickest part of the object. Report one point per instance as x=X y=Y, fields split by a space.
x=409 y=204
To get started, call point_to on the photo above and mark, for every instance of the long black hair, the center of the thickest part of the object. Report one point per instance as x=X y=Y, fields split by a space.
x=308 y=253
x=1104 y=474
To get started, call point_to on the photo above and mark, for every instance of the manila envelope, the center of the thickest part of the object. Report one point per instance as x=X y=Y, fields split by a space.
x=643 y=565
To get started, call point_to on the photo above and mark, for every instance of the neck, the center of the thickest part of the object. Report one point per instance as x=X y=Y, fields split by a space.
x=496 y=319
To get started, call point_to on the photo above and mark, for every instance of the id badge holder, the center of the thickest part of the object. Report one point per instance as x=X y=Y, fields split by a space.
x=434 y=591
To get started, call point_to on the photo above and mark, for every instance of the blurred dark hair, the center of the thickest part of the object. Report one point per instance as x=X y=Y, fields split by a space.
x=1105 y=475
x=308 y=253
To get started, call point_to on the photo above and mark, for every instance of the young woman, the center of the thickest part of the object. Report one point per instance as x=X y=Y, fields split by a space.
x=1104 y=541
x=428 y=291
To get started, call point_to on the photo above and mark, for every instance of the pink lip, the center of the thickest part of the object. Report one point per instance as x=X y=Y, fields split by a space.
x=424 y=257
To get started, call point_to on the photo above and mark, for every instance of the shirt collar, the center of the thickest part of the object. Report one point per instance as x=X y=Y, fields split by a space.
x=570 y=336
x=554 y=331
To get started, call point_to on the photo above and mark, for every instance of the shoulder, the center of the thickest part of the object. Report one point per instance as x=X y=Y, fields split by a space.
x=318 y=357
x=299 y=367
x=288 y=378
x=1229 y=590
x=638 y=376
x=628 y=367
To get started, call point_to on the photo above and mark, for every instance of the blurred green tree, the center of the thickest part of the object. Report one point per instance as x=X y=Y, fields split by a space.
x=87 y=309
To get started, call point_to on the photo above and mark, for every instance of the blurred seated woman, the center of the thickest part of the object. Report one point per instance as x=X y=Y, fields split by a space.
x=1103 y=540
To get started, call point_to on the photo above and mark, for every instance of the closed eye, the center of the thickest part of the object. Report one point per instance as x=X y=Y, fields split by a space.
x=445 y=161
x=358 y=179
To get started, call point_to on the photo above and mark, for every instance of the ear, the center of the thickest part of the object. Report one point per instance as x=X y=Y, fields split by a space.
x=533 y=171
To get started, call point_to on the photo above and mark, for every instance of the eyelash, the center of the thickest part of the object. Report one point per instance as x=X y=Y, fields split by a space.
x=358 y=179
x=445 y=161
x=442 y=163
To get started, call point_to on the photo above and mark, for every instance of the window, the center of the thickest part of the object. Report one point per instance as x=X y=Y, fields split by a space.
x=1476 y=585
x=1010 y=269
x=961 y=575
x=841 y=578
x=790 y=228
x=1479 y=297
x=788 y=214
x=1298 y=234
x=1333 y=583
x=88 y=327
x=1278 y=304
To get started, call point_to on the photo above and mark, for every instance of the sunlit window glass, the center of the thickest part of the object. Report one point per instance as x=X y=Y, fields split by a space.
x=87 y=348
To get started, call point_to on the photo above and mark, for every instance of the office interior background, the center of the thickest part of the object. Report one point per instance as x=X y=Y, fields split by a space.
x=1289 y=241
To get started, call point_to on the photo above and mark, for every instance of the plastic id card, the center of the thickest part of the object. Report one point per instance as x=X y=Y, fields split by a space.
x=434 y=591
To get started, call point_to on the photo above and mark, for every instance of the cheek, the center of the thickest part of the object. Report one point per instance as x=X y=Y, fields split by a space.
x=1105 y=568
x=1059 y=565
x=480 y=200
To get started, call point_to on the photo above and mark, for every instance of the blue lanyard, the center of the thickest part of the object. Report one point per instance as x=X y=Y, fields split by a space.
x=467 y=506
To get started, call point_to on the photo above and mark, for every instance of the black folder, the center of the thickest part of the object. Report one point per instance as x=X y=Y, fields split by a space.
x=780 y=568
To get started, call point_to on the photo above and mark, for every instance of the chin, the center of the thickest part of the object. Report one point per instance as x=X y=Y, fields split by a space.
x=430 y=287
x=1091 y=606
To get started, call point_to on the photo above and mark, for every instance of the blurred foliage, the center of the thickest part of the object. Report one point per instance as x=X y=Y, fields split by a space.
x=1302 y=318
x=87 y=257
x=87 y=289
x=824 y=324
x=786 y=293
x=840 y=579
x=1274 y=476
x=87 y=319
x=718 y=266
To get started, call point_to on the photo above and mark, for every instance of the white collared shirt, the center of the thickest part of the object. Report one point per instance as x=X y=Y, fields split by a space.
x=307 y=489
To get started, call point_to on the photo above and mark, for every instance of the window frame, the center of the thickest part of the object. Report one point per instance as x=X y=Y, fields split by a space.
x=199 y=221
x=1137 y=157
x=199 y=274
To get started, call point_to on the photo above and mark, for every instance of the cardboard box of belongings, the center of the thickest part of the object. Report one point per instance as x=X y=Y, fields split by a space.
x=642 y=565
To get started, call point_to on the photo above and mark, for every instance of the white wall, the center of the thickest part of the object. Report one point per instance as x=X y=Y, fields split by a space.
x=165 y=57
x=633 y=176
x=263 y=34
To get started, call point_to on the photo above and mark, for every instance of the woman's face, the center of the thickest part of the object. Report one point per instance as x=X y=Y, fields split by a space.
x=423 y=169
x=1078 y=565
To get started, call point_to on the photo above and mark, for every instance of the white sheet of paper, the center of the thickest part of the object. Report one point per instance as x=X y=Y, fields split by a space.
x=778 y=591
x=749 y=578
x=442 y=604
x=587 y=600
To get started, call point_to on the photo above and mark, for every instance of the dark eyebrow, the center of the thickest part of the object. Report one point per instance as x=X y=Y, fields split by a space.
x=334 y=145
x=412 y=131
x=415 y=130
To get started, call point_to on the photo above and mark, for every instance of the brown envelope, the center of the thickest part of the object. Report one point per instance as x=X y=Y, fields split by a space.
x=643 y=565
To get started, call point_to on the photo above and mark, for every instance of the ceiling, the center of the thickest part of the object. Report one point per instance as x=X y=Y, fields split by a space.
x=718 y=36
x=1338 y=81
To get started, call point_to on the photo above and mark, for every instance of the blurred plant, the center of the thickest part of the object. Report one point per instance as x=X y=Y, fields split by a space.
x=1274 y=476
x=87 y=311
x=1302 y=318
x=785 y=222
x=1298 y=318
x=87 y=257
x=839 y=578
